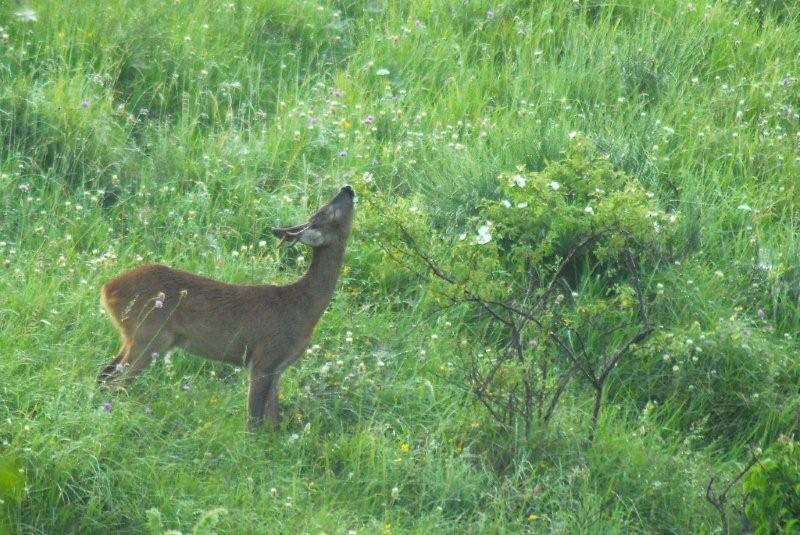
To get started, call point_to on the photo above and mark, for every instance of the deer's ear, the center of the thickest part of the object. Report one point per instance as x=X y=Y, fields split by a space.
x=279 y=233
x=288 y=234
x=312 y=237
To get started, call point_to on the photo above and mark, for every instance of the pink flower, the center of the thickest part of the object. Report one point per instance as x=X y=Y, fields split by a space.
x=107 y=406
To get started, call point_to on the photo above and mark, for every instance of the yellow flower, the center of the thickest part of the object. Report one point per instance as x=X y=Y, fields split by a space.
x=387 y=528
x=532 y=517
x=346 y=123
x=404 y=447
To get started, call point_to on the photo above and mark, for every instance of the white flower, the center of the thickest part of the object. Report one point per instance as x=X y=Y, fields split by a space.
x=555 y=186
x=395 y=493
x=589 y=210
x=522 y=205
x=382 y=72
x=744 y=208
x=506 y=203
x=519 y=180
x=484 y=235
x=368 y=177
x=572 y=134
x=462 y=237
x=26 y=15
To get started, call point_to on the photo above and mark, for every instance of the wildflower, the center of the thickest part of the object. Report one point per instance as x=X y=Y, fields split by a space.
x=405 y=447
x=186 y=387
x=589 y=210
x=522 y=205
x=26 y=15
x=337 y=93
x=761 y=314
x=484 y=235
x=718 y=274
x=518 y=180
x=367 y=177
x=84 y=104
x=369 y=119
x=395 y=493
x=506 y=203
x=532 y=517
x=555 y=186
x=572 y=134
x=107 y=406
x=158 y=303
x=382 y=72
x=744 y=208
x=342 y=153
x=489 y=15
x=273 y=492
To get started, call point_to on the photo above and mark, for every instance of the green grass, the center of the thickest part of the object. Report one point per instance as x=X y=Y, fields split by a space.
x=179 y=132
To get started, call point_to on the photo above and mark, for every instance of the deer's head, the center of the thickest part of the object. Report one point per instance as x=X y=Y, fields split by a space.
x=331 y=223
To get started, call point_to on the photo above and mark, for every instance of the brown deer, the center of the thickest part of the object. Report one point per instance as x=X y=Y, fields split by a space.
x=262 y=327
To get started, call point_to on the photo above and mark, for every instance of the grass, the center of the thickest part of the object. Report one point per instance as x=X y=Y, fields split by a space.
x=180 y=132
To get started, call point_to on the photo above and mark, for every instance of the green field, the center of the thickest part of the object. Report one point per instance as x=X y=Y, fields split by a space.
x=179 y=132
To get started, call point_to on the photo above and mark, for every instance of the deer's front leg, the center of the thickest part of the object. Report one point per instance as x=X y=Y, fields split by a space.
x=271 y=406
x=262 y=378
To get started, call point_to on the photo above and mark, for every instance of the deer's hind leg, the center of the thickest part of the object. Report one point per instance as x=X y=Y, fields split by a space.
x=142 y=351
x=111 y=369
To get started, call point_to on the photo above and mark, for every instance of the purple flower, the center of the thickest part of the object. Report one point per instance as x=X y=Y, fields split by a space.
x=84 y=104
x=342 y=153
x=107 y=406
x=489 y=15
x=337 y=93
x=369 y=119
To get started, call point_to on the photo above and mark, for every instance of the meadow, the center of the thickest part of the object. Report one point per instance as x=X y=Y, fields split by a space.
x=179 y=132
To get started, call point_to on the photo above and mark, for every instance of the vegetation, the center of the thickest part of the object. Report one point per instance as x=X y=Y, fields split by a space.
x=569 y=304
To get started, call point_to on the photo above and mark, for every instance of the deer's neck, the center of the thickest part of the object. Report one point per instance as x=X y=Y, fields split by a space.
x=317 y=286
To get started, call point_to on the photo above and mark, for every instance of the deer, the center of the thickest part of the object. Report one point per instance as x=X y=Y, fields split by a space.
x=263 y=328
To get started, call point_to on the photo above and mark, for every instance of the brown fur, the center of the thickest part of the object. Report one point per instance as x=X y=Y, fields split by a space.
x=263 y=327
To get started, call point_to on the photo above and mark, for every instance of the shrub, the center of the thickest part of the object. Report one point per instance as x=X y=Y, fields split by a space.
x=551 y=271
x=773 y=489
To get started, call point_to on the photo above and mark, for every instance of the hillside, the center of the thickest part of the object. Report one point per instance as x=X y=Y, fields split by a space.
x=569 y=304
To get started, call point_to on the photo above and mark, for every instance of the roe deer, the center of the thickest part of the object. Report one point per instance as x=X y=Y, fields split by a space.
x=264 y=327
